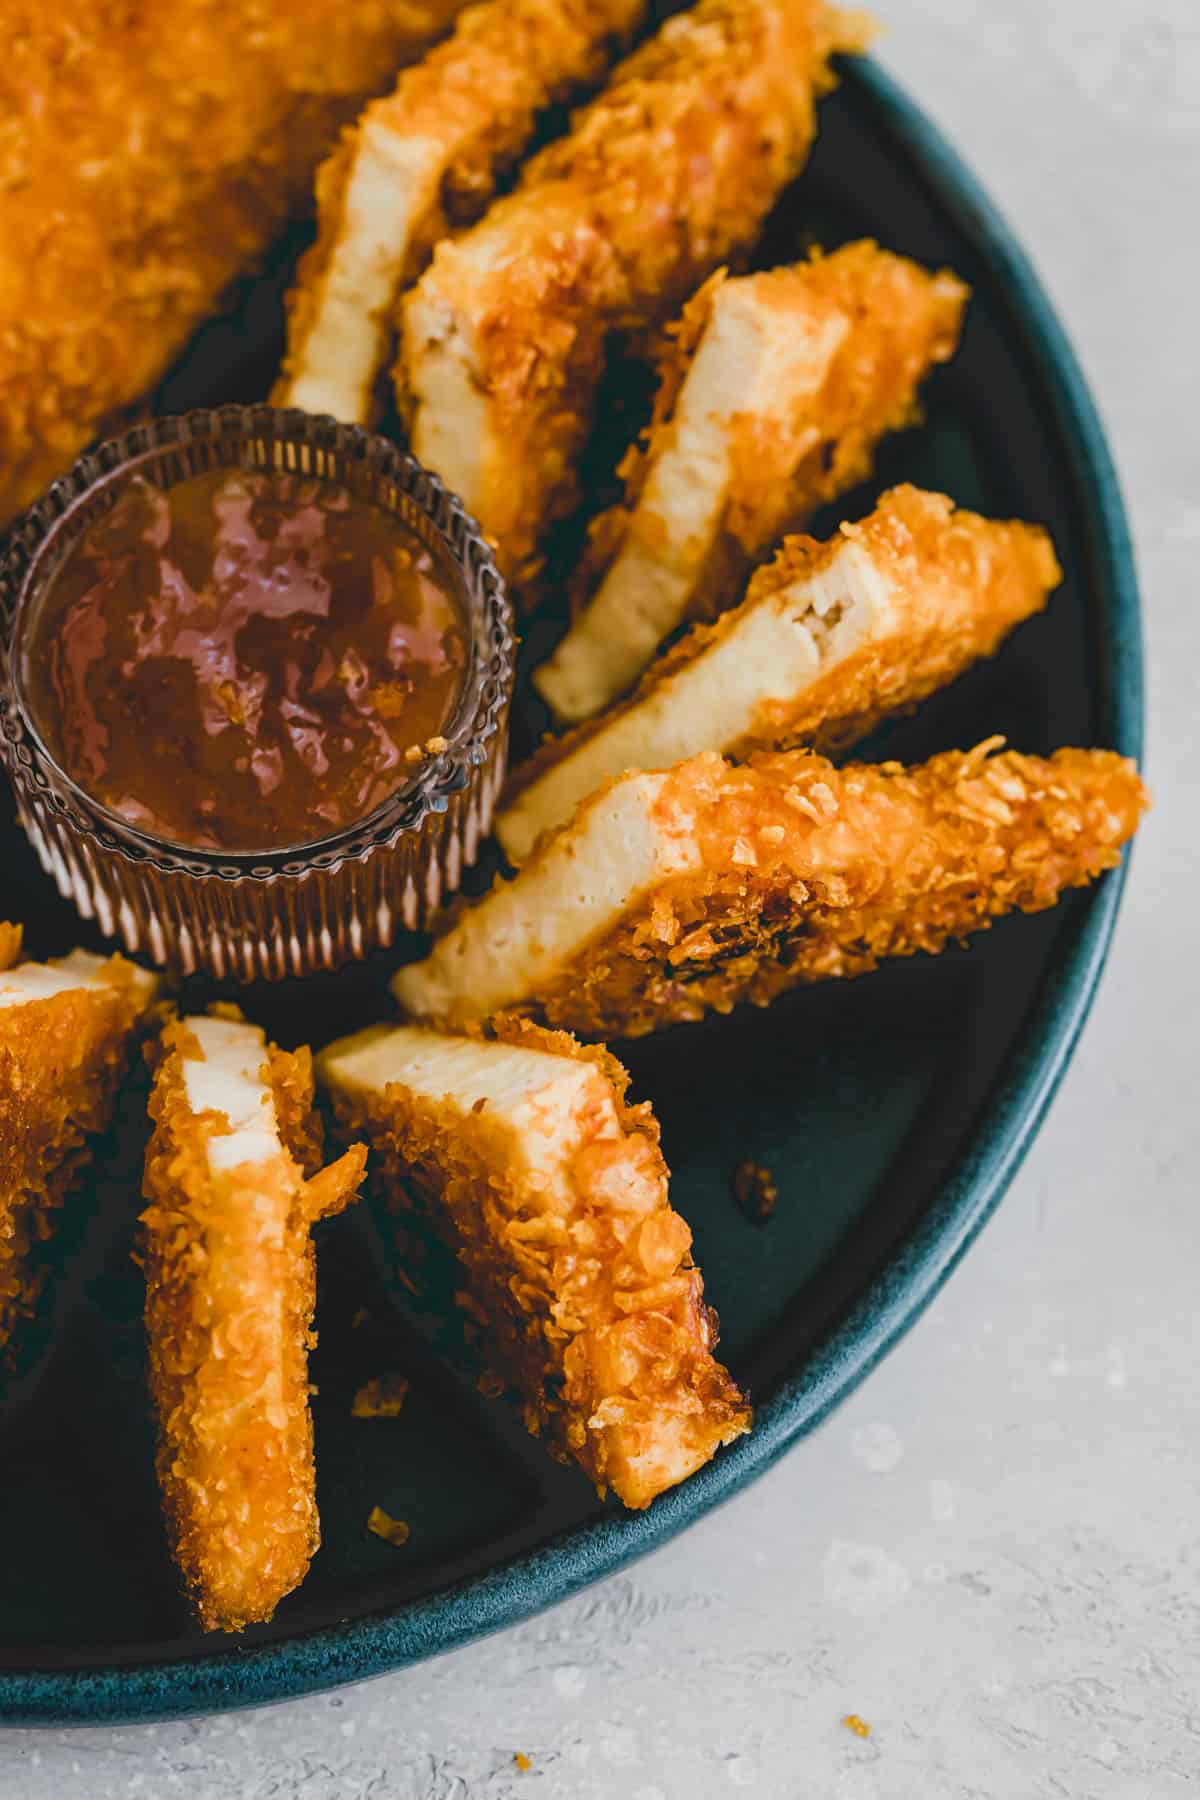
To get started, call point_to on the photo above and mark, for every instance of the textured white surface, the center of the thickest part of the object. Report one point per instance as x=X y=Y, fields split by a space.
x=993 y=1552
x=228 y=1078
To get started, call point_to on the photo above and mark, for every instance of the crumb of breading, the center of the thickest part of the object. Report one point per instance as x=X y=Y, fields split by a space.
x=523 y=1762
x=756 y=1191
x=858 y=1726
x=382 y=1525
x=382 y=1397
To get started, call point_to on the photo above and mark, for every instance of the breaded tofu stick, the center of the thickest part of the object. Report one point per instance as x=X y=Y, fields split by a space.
x=829 y=640
x=675 y=894
x=421 y=160
x=553 y=1189
x=149 y=155
x=774 y=392
x=671 y=169
x=234 y=1190
x=65 y=1033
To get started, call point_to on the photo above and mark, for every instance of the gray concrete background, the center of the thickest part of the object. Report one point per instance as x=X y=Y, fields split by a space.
x=992 y=1553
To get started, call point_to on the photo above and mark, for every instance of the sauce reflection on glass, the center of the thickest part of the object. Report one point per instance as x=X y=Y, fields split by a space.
x=244 y=661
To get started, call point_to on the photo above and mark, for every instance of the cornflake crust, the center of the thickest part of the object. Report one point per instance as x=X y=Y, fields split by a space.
x=148 y=158
x=774 y=391
x=418 y=163
x=830 y=639
x=65 y=1032
x=234 y=1185
x=671 y=895
x=670 y=170
x=553 y=1190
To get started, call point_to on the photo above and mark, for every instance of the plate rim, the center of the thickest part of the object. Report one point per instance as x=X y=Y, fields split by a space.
x=330 y=1656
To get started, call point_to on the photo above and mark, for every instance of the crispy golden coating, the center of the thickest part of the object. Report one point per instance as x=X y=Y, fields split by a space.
x=959 y=582
x=831 y=639
x=785 y=871
x=577 y=1264
x=146 y=159
x=230 y=1292
x=61 y=1062
x=774 y=391
x=814 y=873
x=902 y=321
x=669 y=171
x=420 y=162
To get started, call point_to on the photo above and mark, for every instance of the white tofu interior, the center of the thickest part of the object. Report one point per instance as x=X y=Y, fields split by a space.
x=552 y=1103
x=754 y=360
x=392 y=184
x=229 y=1080
x=527 y=930
x=778 y=646
x=452 y=431
x=61 y=975
x=41 y=981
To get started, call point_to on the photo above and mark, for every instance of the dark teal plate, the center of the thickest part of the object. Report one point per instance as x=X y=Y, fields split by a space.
x=894 y=1111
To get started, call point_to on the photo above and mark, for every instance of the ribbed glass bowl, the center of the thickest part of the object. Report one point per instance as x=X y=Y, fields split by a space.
x=250 y=915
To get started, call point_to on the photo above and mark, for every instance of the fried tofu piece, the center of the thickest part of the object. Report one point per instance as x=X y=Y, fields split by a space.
x=671 y=895
x=416 y=164
x=830 y=639
x=670 y=170
x=774 y=391
x=234 y=1186
x=148 y=156
x=66 y=1027
x=553 y=1189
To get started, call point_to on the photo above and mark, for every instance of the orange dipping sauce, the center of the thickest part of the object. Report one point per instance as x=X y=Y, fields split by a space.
x=245 y=661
